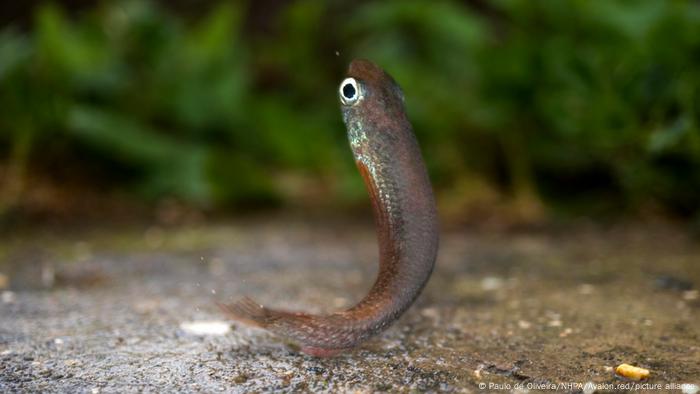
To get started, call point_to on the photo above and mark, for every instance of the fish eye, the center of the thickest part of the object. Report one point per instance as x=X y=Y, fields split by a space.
x=349 y=91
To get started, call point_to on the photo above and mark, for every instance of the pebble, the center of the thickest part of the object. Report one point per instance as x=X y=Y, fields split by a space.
x=72 y=362
x=554 y=323
x=632 y=372
x=431 y=313
x=567 y=331
x=491 y=283
x=8 y=297
x=213 y=327
x=691 y=295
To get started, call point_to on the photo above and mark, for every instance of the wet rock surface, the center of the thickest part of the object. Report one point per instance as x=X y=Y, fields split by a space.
x=109 y=311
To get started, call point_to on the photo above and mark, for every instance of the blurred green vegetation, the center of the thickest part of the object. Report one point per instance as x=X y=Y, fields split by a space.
x=573 y=106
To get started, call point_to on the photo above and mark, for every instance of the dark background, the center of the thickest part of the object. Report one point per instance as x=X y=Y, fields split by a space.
x=525 y=110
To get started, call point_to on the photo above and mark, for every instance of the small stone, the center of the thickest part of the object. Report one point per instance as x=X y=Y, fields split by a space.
x=72 y=362
x=554 y=323
x=8 y=297
x=491 y=283
x=567 y=331
x=206 y=327
x=431 y=313
x=58 y=341
x=524 y=324
x=632 y=372
x=477 y=372
x=691 y=295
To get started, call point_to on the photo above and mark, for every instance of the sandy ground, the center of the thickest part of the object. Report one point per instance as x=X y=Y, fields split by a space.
x=108 y=311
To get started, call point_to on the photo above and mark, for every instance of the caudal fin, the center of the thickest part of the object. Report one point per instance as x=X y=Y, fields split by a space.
x=248 y=311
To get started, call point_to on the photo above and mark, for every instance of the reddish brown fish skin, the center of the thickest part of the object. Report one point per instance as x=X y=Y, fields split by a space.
x=389 y=159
